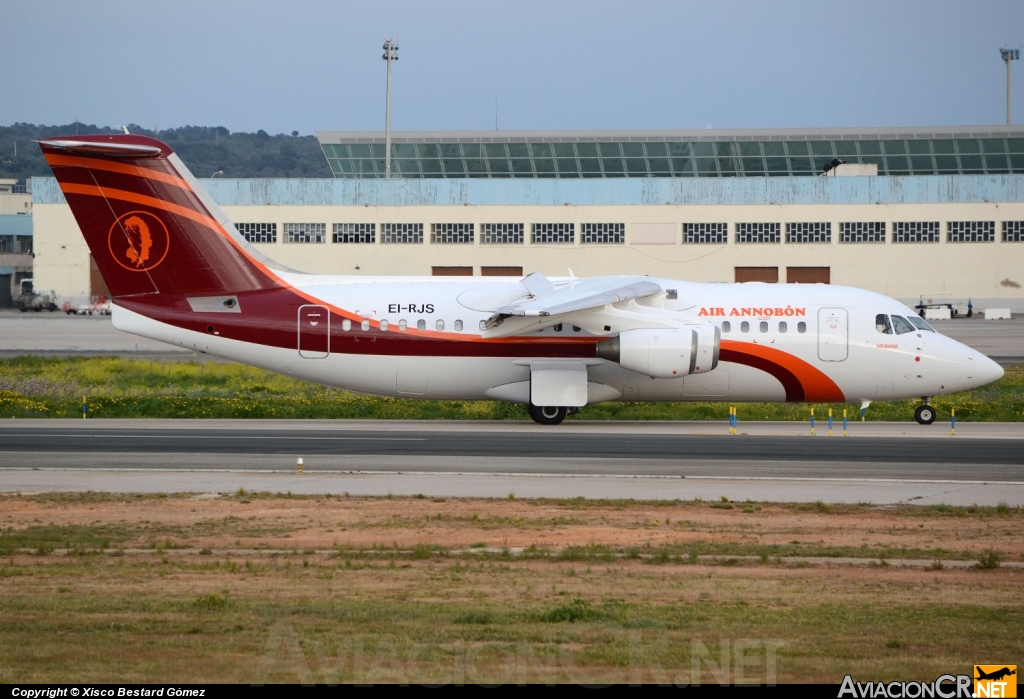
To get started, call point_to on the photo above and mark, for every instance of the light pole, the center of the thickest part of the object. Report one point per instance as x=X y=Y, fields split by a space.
x=1009 y=55
x=219 y=172
x=390 y=54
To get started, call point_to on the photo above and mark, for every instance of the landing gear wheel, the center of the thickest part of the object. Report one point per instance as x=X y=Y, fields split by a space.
x=547 y=415
x=925 y=414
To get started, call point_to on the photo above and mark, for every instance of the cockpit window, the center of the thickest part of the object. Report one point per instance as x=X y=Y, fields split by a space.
x=882 y=324
x=919 y=322
x=901 y=325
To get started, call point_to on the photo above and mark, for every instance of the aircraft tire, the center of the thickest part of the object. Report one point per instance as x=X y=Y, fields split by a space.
x=924 y=414
x=547 y=415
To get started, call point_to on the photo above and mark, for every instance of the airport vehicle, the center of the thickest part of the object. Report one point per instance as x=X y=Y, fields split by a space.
x=946 y=310
x=31 y=300
x=97 y=306
x=179 y=272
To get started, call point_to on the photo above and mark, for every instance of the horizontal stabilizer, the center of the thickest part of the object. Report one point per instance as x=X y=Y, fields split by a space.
x=115 y=150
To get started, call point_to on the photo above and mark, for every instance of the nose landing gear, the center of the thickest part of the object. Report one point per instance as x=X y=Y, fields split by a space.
x=924 y=414
x=547 y=414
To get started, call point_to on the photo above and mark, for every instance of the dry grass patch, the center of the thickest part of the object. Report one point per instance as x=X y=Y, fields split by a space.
x=252 y=586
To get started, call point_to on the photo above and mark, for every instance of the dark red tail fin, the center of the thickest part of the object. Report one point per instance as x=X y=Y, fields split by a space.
x=150 y=226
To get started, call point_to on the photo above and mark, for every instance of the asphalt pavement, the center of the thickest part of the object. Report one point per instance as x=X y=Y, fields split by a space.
x=583 y=452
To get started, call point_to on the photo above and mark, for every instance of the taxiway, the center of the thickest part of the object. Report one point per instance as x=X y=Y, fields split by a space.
x=878 y=462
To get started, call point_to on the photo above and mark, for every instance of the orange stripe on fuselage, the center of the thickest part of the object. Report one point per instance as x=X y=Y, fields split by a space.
x=55 y=160
x=818 y=387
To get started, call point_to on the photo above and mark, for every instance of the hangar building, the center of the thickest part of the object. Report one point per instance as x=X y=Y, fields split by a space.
x=934 y=213
x=15 y=239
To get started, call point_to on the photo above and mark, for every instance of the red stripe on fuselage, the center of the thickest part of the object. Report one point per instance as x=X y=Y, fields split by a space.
x=802 y=381
x=274 y=323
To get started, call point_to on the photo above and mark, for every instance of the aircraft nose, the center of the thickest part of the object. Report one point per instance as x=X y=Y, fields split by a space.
x=985 y=370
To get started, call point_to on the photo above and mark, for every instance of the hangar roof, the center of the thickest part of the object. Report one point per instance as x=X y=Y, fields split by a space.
x=937 y=150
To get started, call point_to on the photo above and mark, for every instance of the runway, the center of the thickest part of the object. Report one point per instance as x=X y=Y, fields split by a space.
x=878 y=462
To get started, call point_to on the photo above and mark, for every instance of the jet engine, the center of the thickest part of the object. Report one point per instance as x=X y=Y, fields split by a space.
x=665 y=353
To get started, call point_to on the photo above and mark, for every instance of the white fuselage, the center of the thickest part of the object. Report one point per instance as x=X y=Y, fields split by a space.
x=830 y=329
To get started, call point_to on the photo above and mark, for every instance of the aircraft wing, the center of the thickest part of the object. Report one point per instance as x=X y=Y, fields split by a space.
x=583 y=294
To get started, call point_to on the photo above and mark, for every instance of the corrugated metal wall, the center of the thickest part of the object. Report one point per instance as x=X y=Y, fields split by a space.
x=696 y=191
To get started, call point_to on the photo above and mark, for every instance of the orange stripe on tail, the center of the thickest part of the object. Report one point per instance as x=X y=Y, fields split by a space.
x=57 y=160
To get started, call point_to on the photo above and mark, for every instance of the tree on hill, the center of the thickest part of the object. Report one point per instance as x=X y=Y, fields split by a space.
x=204 y=149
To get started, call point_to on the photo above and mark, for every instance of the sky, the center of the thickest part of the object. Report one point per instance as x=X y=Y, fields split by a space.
x=552 y=64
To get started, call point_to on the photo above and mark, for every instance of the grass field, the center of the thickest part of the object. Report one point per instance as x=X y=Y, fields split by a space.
x=119 y=388
x=262 y=588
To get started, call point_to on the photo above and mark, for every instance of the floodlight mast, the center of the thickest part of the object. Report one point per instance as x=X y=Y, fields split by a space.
x=1008 y=55
x=390 y=54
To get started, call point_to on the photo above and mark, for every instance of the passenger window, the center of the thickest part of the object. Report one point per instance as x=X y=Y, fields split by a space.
x=439 y=324
x=346 y=325
x=764 y=326
x=744 y=327
x=726 y=326
x=783 y=326
x=458 y=326
x=575 y=329
x=421 y=324
x=801 y=327
x=882 y=324
x=901 y=325
x=921 y=325
x=402 y=325
x=558 y=328
x=383 y=325
x=365 y=325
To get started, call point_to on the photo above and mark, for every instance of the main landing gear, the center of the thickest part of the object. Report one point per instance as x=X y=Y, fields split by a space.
x=548 y=414
x=924 y=414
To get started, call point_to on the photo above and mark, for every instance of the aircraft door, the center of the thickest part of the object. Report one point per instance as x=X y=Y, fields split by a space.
x=833 y=334
x=314 y=331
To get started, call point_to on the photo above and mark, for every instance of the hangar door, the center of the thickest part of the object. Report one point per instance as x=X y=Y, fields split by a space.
x=833 y=334
x=6 y=299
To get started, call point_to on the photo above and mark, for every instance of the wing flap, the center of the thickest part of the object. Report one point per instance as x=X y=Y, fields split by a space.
x=577 y=296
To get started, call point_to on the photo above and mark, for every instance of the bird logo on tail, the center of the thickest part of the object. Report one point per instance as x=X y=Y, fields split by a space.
x=138 y=241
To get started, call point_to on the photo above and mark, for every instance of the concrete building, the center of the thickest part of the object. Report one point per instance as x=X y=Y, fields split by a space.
x=15 y=239
x=943 y=219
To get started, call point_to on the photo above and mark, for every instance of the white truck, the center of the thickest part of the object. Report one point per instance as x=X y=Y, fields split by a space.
x=31 y=300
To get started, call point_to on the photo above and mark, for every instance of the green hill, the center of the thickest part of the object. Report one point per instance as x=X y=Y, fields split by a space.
x=204 y=149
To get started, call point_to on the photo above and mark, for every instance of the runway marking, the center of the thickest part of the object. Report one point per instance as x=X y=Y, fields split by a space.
x=627 y=439
x=247 y=438
x=507 y=474
x=909 y=501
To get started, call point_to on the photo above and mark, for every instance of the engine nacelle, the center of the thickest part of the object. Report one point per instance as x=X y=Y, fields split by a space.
x=709 y=347
x=665 y=353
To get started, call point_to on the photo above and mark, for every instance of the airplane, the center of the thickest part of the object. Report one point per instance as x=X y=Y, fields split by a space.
x=179 y=272
x=994 y=675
